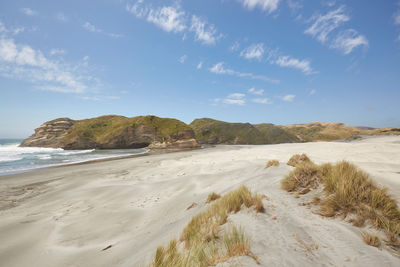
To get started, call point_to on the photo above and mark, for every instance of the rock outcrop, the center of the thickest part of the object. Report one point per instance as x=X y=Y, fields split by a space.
x=113 y=132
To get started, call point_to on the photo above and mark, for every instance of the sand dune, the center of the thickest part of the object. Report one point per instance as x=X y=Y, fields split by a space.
x=66 y=216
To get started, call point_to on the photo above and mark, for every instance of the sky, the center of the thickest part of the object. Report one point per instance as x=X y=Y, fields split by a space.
x=275 y=61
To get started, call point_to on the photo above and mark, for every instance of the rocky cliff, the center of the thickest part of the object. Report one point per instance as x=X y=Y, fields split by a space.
x=113 y=132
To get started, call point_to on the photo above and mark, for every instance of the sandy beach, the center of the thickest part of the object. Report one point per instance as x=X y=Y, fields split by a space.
x=66 y=216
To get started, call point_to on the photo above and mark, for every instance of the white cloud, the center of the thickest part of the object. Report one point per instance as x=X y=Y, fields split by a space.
x=256 y=92
x=254 y=51
x=288 y=98
x=313 y=92
x=236 y=96
x=294 y=5
x=235 y=46
x=61 y=17
x=14 y=31
x=168 y=18
x=287 y=61
x=220 y=69
x=264 y=101
x=182 y=59
x=268 y=6
x=57 y=52
x=324 y=24
x=235 y=99
x=207 y=34
x=90 y=27
x=25 y=63
x=200 y=65
x=397 y=18
x=28 y=11
x=348 y=40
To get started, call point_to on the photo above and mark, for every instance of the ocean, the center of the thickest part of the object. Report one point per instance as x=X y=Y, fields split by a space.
x=15 y=159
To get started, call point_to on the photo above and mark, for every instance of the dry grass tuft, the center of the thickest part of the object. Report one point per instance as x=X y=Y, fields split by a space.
x=304 y=176
x=204 y=244
x=348 y=191
x=211 y=197
x=371 y=240
x=298 y=159
x=194 y=204
x=271 y=163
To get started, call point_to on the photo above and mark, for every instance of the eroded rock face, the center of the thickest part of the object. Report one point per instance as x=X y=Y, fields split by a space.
x=49 y=133
x=69 y=134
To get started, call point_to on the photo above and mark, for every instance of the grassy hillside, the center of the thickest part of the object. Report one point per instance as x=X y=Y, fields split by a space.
x=104 y=129
x=320 y=131
x=220 y=132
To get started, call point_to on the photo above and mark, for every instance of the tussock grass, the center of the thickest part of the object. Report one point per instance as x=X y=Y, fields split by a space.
x=271 y=163
x=348 y=191
x=304 y=176
x=371 y=240
x=212 y=196
x=298 y=159
x=203 y=241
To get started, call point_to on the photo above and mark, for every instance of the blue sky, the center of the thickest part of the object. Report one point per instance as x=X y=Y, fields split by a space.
x=278 y=61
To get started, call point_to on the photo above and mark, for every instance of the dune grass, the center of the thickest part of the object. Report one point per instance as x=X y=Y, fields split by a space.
x=271 y=163
x=203 y=242
x=371 y=240
x=348 y=191
x=211 y=197
x=298 y=159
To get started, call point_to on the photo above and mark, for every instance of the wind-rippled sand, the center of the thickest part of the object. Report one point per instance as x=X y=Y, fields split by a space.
x=66 y=216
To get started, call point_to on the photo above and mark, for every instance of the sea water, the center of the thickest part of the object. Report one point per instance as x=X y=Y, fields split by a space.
x=15 y=159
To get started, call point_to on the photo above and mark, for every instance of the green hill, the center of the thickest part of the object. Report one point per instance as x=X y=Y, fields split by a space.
x=211 y=131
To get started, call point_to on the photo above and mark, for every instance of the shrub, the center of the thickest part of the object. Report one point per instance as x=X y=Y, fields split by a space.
x=272 y=163
x=297 y=159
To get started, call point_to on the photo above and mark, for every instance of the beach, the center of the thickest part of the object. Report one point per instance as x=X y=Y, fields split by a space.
x=68 y=215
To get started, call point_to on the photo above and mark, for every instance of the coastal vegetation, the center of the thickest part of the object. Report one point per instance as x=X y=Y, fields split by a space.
x=118 y=132
x=350 y=193
x=206 y=240
x=271 y=163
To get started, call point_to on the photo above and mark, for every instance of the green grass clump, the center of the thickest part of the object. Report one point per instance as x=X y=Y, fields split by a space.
x=271 y=163
x=204 y=244
x=298 y=159
x=349 y=191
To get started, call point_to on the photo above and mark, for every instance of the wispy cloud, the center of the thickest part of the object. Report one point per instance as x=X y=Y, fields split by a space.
x=235 y=46
x=174 y=19
x=168 y=18
x=232 y=99
x=200 y=65
x=324 y=24
x=345 y=41
x=294 y=5
x=287 y=61
x=265 y=101
x=28 y=11
x=204 y=32
x=182 y=59
x=268 y=6
x=57 y=52
x=90 y=27
x=254 y=91
x=348 y=40
x=12 y=31
x=254 y=51
x=312 y=92
x=288 y=98
x=62 y=17
x=220 y=69
x=21 y=61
